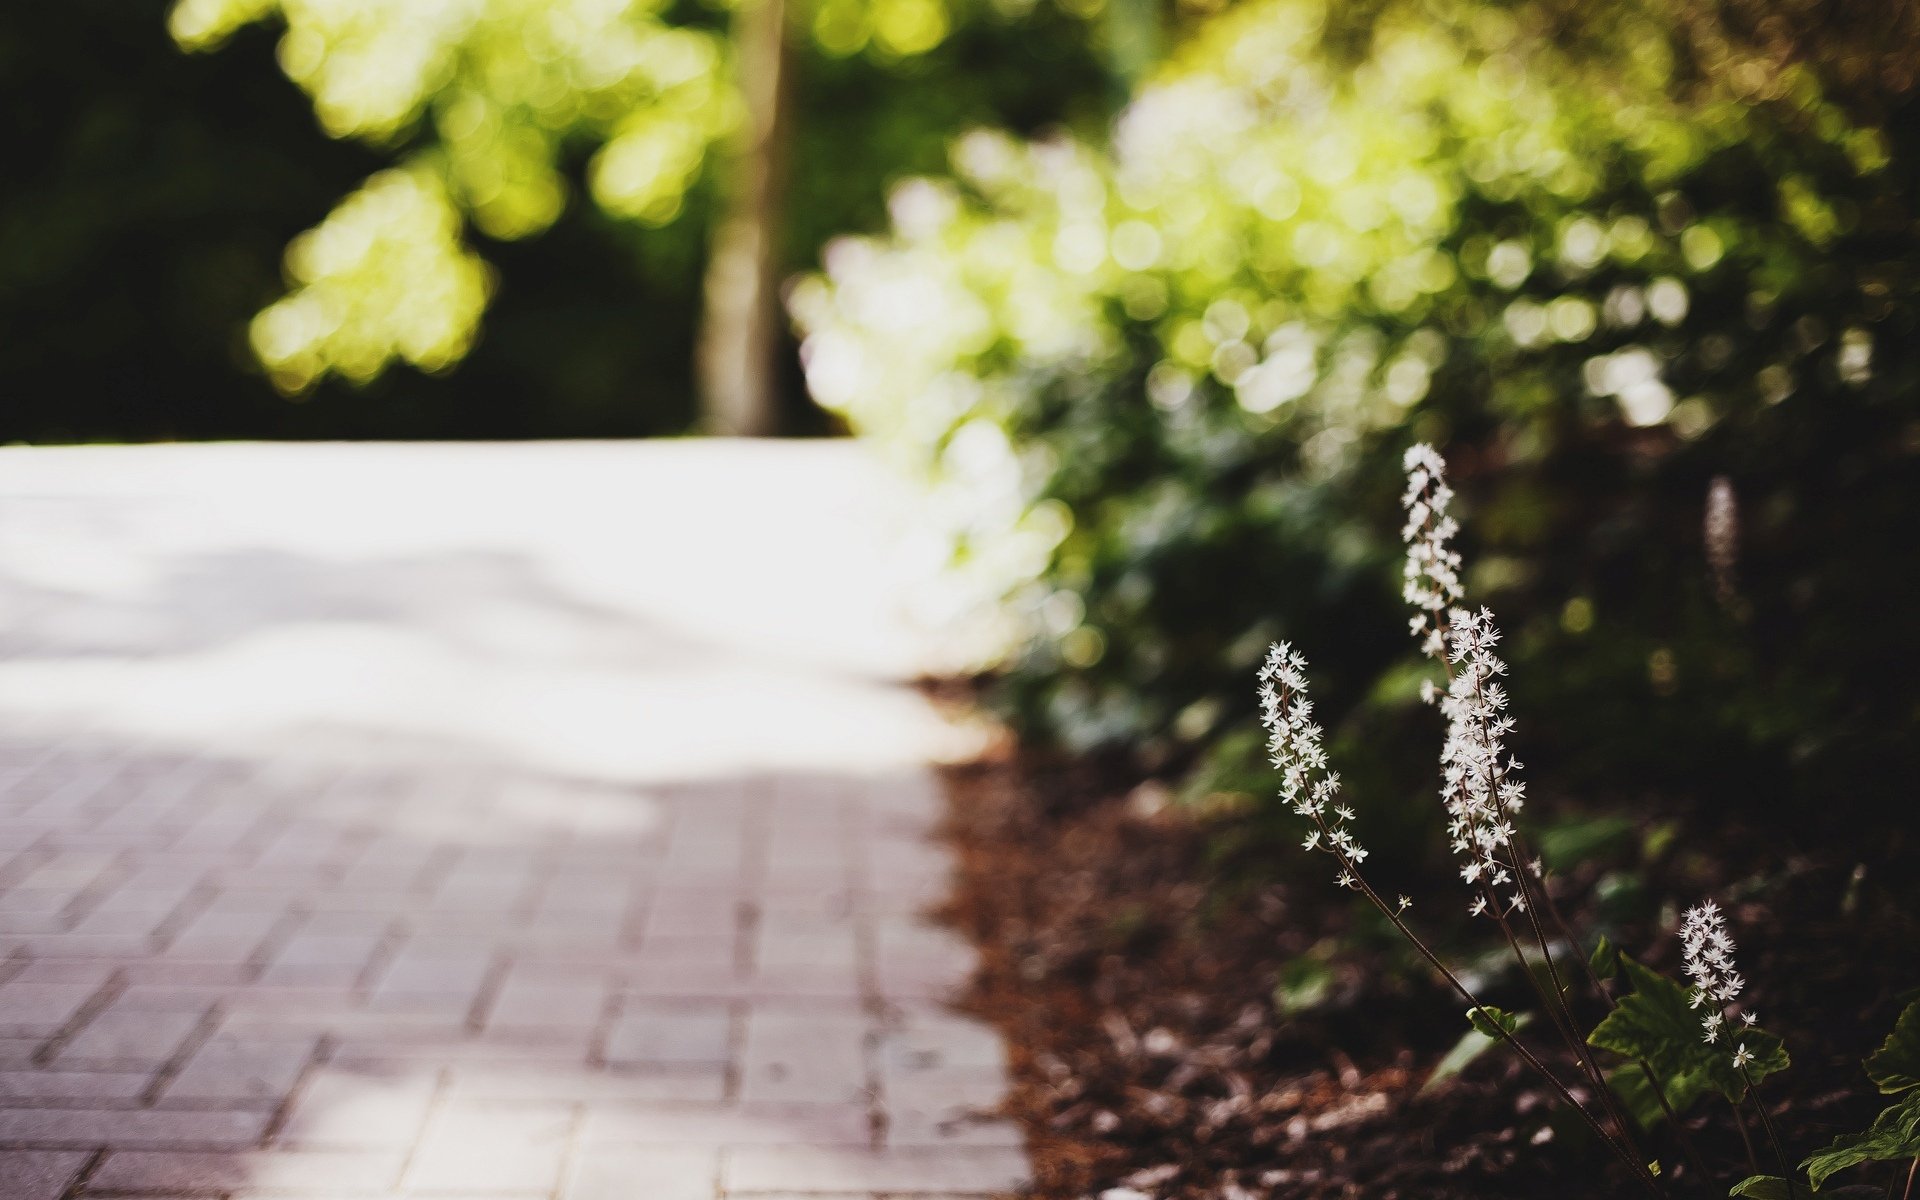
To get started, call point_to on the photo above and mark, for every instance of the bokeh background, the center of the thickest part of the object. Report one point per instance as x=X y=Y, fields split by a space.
x=1149 y=295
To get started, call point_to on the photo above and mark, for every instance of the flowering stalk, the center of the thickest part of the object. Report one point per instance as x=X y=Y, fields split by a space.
x=1706 y=954
x=1311 y=789
x=1480 y=789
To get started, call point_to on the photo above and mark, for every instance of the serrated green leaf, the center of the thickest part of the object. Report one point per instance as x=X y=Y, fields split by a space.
x=1636 y=1094
x=1761 y=1187
x=1491 y=1022
x=1657 y=1025
x=1894 y=1135
x=1604 y=960
x=1895 y=1066
x=1472 y=1045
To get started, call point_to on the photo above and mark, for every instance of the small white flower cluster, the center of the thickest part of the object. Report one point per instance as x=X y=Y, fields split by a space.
x=1294 y=746
x=1707 y=954
x=1478 y=784
x=1433 y=567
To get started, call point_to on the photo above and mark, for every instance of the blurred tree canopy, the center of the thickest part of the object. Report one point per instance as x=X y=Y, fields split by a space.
x=153 y=198
x=1604 y=255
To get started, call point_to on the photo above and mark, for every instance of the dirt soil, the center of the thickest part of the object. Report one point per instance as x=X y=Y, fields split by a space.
x=1132 y=966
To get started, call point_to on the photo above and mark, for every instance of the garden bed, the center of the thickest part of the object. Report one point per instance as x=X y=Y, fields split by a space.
x=1132 y=963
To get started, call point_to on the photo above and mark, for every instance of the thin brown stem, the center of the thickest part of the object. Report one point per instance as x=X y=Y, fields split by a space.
x=1620 y=1150
x=1773 y=1137
x=1673 y=1118
x=1646 y=1069
x=1907 y=1194
x=1559 y=1006
x=1520 y=855
x=1740 y=1123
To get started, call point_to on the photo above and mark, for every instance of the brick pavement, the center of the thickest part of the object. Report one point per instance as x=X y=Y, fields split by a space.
x=511 y=822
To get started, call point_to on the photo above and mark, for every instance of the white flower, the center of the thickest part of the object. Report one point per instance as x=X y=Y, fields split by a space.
x=1481 y=790
x=1294 y=744
x=1742 y=1057
x=1432 y=571
x=1478 y=787
x=1706 y=950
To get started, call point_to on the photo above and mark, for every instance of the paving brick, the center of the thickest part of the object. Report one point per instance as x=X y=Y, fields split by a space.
x=729 y=1125
x=962 y=1170
x=435 y=973
x=656 y=1173
x=527 y=1000
x=495 y=1149
x=240 y=1070
x=344 y=1109
x=138 y=1128
x=807 y=1057
x=226 y=935
x=128 y=1038
x=930 y=1041
x=38 y=1174
x=304 y=1173
x=407 y=1052
x=569 y=1082
x=315 y=957
x=692 y=949
x=654 y=1036
x=39 y=1009
x=19 y=1088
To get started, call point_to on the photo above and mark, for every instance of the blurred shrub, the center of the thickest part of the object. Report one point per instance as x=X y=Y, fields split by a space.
x=491 y=105
x=154 y=195
x=1159 y=388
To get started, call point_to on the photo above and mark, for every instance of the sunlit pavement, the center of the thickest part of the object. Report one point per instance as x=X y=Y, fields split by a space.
x=522 y=821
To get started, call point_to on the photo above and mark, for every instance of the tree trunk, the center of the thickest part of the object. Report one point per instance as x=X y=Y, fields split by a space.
x=737 y=364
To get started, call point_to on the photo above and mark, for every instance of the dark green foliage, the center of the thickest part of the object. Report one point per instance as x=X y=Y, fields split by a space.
x=1894 y=1135
x=1895 y=1066
x=1772 y=1187
x=1605 y=960
x=1491 y=1022
x=1656 y=1025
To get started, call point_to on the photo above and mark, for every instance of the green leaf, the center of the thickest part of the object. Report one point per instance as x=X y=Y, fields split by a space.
x=1636 y=1094
x=1604 y=960
x=1772 y=1187
x=1894 y=1135
x=1491 y=1022
x=1895 y=1066
x=1658 y=1025
x=1472 y=1045
x=1305 y=984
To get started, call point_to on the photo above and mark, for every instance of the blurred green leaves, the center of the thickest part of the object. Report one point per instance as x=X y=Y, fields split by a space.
x=1157 y=384
x=490 y=105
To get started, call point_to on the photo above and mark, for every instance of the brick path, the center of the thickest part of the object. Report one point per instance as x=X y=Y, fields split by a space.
x=494 y=821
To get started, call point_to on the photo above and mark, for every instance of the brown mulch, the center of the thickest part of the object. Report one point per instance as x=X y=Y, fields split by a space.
x=1132 y=967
